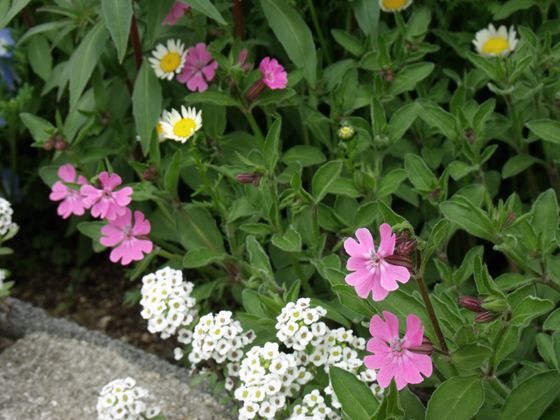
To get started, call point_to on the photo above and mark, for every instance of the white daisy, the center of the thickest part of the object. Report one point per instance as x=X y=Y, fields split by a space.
x=492 y=43
x=181 y=126
x=168 y=61
x=159 y=127
x=393 y=6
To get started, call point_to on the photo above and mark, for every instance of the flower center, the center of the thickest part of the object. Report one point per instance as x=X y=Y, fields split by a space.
x=270 y=76
x=374 y=261
x=396 y=345
x=393 y=4
x=184 y=127
x=170 y=61
x=495 y=45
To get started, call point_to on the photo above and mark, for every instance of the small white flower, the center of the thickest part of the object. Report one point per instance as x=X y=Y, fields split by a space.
x=181 y=126
x=121 y=399
x=167 y=61
x=393 y=6
x=7 y=227
x=178 y=353
x=490 y=42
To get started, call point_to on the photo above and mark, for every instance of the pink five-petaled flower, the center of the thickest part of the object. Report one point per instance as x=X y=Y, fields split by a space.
x=72 y=202
x=273 y=74
x=176 y=12
x=371 y=272
x=105 y=202
x=199 y=69
x=395 y=357
x=128 y=238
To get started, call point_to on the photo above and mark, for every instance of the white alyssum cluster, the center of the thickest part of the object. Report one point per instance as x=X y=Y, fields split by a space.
x=7 y=227
x=268 y=378
x=3 y=276
x=219 y=337
x=298 y=324
x=313 y=407
x=167 y=303
x=122 y=399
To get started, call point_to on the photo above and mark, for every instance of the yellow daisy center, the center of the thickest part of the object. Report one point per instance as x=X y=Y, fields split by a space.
x=393 y=4
x=496 y=45
x=170 y=61
x=185 y=127
x=159 y=128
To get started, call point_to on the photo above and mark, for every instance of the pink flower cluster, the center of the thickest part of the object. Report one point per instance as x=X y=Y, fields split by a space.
x=128 y=237
x=403 y=359
x=176 y=12
x=199 y=69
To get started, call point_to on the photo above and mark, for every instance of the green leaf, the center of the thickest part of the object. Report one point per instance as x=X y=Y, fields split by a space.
x=146 y=104
x=390 y=182
x=294 y=35
x=304 y=156
x=44 y=27
x=507 y=344
x=40 y=57
x=118 y=15
x=196 y=258
x=356 y=398
x=510 y=7
x=402 y=119
x=197 y=229
x=419 y=173
x=458 y=398
x=410 y=76
x=367 y=16
x=545 y=216
x=172 y=172
x=465 y=214
x=271 y=150
x=14 y=9
x=324 y=178
x=438 y=118
x=275 y=97
x=553 y=321
x=207 y=8
x=289 y=241
x=517 y=164
x=530 y=398
x=258 y=258
x=91 y=229
x=84 y=59
x=347 y=41
x=390 y=407
x=471 y=356
x=413 y=408
x=546 y=129
x=211 y=97
x=530 y=308
x=436 y=239
x=39 y=128
x=545 y=347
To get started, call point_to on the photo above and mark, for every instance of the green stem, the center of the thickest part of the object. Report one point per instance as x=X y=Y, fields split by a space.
x=254 y=126
x=492 y=364
x=501 y=389
x=304 y=281
x=162 y=252
x=317 y=25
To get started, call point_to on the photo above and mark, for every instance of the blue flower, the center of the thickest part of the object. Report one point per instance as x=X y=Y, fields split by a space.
x=6 y=40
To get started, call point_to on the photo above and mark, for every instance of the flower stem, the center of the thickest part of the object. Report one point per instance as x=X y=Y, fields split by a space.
x=430 y=309
x=254 y=126
x=239 y=22
x=316 y=24
x=135 y=38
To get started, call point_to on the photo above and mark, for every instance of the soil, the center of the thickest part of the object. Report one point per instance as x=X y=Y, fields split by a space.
x=93 y=297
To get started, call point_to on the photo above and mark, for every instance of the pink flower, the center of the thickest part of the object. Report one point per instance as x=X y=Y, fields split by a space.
x=72 y=202
x=106 y=203
x=199 y=69
x=396 y=357
x=371 y=272
x=176 y=12
x=129 y=239
x=274 y=75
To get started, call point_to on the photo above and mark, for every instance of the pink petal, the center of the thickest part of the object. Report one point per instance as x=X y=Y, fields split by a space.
x=64 y=209
x=399 y=379
x=414 y=331
x=101 y=209
x=59 y=191
x=386 y=277
x=123 y=197
x=377 y=361
x=82 y=180
x=409 y=371
x=392 y=324
x=365 y=239
x=67 y=173
x=378 y=345
x=396 y=272
x=111 y=236
x=378 y=328
x=364 y=288
x=354 y=249
x=357 y=263
x=197 y=82
x=387 y=240
x=210 y=71
x=109 y=181
x=357 y=277
x=186 y=74
x=385 y=374
x=422 y=362
x=378 y=291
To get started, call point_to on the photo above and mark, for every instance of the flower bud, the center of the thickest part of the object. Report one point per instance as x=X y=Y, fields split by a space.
x=381 y=141
x=494 y=304
x=60 y=143
x=49 y=144
x=249 y=178
x=346 y=132
x=471 y=303
x=485 y=317
x=510 y=218
x=405 y=244
x=425 y=348
x=150 y=173
x=402 y=260
x=469 y=135
x=388 y=74
x=255 y=90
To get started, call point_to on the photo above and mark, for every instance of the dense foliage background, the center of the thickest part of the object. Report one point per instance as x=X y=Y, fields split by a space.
x=387 y=118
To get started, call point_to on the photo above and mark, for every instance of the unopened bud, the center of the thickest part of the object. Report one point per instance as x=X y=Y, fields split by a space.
x=388 y=74
x=346 y=132
x=425 y=348
x=471 y=303
x=150 y=174
x=494 y=304
x=105 y=119
x=49 y=144
x=469 y=135
x=60 y=143
x=255 y=90
x=435 y=194
x=405 y=244
x=249 y=178
x=485 y=317
x=510 y=218
x=402 y=260
x=381 y=141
